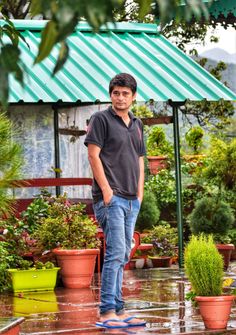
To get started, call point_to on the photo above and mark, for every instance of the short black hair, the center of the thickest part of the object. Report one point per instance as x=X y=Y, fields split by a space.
x=123 y=80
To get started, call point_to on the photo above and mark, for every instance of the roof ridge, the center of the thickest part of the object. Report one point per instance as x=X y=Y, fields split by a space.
x=84 y=26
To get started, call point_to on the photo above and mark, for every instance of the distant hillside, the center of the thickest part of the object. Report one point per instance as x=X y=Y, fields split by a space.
x=214 y=56
x=218 y=54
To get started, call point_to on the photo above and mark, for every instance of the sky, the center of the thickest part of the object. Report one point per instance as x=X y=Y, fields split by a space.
x=227 y=41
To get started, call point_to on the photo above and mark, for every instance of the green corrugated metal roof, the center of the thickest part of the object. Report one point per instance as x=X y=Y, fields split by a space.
x=162 y=71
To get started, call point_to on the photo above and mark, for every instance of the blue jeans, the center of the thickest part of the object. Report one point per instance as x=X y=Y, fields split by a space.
x=117 y=221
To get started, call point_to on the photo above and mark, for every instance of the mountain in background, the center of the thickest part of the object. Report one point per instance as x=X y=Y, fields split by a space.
x=216 y=55
x=219 y=54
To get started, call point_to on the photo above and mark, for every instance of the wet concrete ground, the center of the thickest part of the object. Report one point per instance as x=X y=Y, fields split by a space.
x=156 y=295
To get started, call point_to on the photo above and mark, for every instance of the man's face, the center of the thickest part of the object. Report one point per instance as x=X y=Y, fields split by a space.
x=122 y=98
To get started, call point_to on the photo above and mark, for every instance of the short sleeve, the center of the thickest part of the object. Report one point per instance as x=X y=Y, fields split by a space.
x=96 y=131
x=142 y=144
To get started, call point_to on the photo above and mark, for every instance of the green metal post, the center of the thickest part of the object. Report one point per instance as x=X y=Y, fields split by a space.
x=56 y=148
x=178 y=181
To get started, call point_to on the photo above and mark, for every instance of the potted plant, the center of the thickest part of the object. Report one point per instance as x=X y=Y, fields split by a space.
x=232 y=236
x=17 y=273
x=141 y=111
x=194 y=157
x=213 y=216
x=151 y=114
x=40 y=277
x=194 y=139
x=204 y=268
x=159 y=150
x=164 y=240
x=72 y=236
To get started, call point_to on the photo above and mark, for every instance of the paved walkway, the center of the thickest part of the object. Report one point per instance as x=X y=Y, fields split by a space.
x=157 y=295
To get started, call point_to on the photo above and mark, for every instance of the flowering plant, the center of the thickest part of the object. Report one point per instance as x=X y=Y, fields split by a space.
x=66 y=226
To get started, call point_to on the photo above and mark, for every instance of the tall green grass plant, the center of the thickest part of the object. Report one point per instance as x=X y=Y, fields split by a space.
x=204 y=266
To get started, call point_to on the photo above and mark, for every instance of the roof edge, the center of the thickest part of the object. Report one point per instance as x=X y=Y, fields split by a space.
x=84 y=26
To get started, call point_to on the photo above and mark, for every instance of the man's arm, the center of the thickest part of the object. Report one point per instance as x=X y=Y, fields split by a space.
x=141 y=179
x=98 y=172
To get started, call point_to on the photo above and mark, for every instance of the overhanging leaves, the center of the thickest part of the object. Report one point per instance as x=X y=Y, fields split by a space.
x=49 y=39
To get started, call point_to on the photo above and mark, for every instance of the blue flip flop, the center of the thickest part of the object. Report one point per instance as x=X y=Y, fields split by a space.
x=105 y=324
x=133 y=324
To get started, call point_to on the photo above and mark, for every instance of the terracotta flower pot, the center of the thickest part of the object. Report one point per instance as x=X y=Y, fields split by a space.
x=215 y=311
x=225 y=250
x=77 y=266
x=157 y=163
x=161 y=261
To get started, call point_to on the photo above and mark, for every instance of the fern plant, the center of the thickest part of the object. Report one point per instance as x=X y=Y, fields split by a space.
x=204 y=266
x=10 y=161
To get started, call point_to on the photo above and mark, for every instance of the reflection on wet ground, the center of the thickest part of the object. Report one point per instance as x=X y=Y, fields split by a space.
x=156 y=295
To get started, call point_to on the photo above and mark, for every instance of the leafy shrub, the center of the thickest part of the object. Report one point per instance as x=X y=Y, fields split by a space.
x=67 y=226
x=157 y=143
x=163 y=186
x=194 y=138
x=221 y=163
x=37 y=209
x=149 y=212
x=164 y=239
x=204 y=266
x=141 y=111
x=211 y=216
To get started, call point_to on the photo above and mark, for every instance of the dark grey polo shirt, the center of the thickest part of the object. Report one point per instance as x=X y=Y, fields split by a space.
x=121 y=147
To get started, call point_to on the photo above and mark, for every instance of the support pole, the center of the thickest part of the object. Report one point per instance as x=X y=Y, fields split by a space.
x=178 y=180
x=56 y=149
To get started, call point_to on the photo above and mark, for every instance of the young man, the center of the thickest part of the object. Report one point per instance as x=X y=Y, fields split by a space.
x=115 y=150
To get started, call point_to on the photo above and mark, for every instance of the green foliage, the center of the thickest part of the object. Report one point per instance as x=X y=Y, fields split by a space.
x=34 y=212
x=5 y=260
x=221 y=163
x=10 y=62
x=10 y=161
x=41 y=265
x=14 y=233
x=194 y=138
x=141 y=111
x=157 y=143
x=232 y=236
x=164 y=239
x=163 y=186
x=183 y=34
x=211 y=216
x=67 y=227
x=149 y=212
x=214 y=113
x=204 y=266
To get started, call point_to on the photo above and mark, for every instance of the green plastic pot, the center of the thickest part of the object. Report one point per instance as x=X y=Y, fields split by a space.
x=33 y=279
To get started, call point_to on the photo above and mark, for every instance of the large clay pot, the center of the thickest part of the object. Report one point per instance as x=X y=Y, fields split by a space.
x=157 y=163
x=225 y=250
x=161 y=261
x=215 y=311
x=77 y=266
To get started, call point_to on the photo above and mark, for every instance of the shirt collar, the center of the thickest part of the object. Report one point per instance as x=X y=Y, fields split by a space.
x=131 y=115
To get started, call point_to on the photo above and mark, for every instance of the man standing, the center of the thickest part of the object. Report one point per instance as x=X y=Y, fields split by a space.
x=115 y=150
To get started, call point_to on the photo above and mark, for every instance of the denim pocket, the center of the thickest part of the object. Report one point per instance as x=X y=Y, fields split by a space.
x=110 y=203
x=100 y=212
